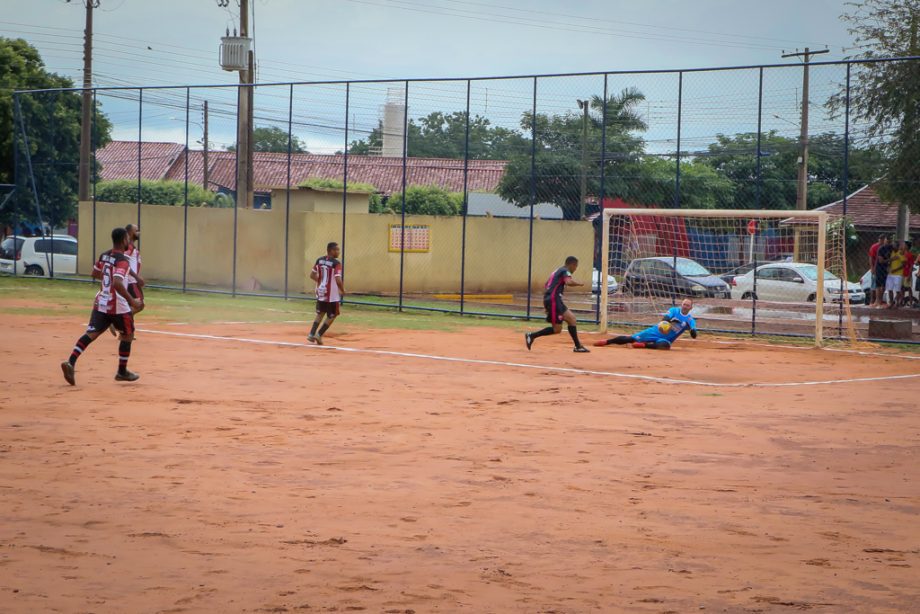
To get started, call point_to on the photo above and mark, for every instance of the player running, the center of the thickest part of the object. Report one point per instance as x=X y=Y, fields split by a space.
x=113 y=305
x=135 y=283
x=556 y=311
x=661 y=336
x=327 y=273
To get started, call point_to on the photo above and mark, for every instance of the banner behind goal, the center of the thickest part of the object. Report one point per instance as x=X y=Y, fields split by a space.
x=773 y=272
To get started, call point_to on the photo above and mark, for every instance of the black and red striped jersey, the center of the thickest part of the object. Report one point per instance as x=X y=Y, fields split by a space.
x=113 y=265
x=555 y=285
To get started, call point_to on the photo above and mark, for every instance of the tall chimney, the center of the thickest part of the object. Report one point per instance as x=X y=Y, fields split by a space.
x=394 y=123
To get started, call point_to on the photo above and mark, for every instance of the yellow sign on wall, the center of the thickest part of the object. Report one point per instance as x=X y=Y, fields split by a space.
x=417 y=237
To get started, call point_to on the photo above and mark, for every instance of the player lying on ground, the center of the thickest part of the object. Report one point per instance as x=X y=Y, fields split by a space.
x=327 y=273
x=556 y=311
x=113 y=305
x=660 y=337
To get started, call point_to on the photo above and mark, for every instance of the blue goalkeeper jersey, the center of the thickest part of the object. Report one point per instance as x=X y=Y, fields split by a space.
x=680 y=323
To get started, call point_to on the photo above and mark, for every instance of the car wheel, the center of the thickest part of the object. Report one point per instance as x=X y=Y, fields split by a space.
x=811 y=298
x=748 y=296
x=34 y=269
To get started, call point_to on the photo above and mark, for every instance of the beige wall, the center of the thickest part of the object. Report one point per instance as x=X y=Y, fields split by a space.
x=320 y=201
x=496 y=250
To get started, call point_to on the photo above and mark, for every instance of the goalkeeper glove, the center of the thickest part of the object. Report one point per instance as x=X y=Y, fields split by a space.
x=693 y=333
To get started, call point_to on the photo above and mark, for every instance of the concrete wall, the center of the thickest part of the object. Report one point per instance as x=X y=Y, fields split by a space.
x=306 y=200
x=496 y=250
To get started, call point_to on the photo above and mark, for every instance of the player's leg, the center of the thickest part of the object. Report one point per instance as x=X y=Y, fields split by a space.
x=553 y=316
x=620 y=340
x=320 y=313
x=572 y=323
x=658 y=344
x=97 y=324
x=125 y=324
x=332 y=312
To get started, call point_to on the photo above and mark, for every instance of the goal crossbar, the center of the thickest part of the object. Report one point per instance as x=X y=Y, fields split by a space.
x=820 y=219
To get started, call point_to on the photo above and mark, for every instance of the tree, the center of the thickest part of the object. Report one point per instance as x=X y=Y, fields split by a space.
x=735 y=158
x=273 y=139
x=556 y=180
x=371 y=144
x=701 y=186
x=52 y=124
x=885 y=96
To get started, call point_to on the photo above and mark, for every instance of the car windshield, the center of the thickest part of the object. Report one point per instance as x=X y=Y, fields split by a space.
x=811 y=272
x=690 y=268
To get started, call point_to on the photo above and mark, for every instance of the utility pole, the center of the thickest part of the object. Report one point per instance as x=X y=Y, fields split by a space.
x=903 y=229
x=244 y=119
x=87 y=107
x=802 y=184
x=584 y=105
x=207 y=168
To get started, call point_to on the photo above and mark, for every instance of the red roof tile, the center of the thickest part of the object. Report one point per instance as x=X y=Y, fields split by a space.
x=119 y=159
x=866 y=210
x=270 y=169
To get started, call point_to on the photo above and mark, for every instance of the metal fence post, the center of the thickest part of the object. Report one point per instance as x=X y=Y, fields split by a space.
x=93 y=168
x=466 y=197
x=287 y=200
x=140 y=130
x=236 y=191
x=345 y=176
x=185 y=205
x=402 y=238
x=757 y=192
x=601 y=271
x=49 y=258
x=680 y=106
x=844 y=275
x=533 y=193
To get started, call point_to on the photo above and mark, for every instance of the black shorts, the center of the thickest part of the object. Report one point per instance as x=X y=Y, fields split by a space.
x=135 y=291
x=331 y=309
x=881 y=276
x=99 y=322
x=554 y=309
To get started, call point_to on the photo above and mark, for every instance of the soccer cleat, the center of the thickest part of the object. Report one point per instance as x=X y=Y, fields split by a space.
x=581 y=349
x=127 y=376
x=318 y=339
x=311 y=338
x=638 y=345
x=67 y=368
x=528 y=339
x=600 y=343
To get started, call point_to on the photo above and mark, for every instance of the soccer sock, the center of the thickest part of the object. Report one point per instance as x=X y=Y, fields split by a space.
x=621 y=340
x=325 y=327
x=542 y=333
x=573 y=331
x=78 y=349
x=124 y=351
x=314 y=327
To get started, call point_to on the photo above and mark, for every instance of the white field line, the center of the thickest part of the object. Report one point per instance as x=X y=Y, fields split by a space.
x=841 y=350
x=518 y=365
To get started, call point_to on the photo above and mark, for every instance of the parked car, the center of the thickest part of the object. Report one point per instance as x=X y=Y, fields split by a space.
x=792 y=282
x=865 y=282
x=612 y=284
x=659 y=276
x=741 y=270
x=37 y=255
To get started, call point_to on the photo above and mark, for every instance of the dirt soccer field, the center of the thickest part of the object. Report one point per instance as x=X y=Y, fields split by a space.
x=445 y=469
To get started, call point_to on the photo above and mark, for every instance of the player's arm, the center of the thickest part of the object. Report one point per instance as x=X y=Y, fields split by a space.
x=118 y=282
x=97 y=270
x=140 y=280
x=338 y=278
x=570 y=281
x=693 y=332
x=314 y=274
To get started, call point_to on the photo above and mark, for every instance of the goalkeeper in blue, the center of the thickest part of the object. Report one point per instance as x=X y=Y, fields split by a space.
x=661 y=336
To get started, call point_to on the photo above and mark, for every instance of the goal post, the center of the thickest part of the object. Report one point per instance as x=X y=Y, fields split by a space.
x=754 y=271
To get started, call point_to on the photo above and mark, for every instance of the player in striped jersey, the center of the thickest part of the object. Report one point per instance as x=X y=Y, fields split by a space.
x=113 y=305
x=556 y=311
x=135 y=283
x=327 y=273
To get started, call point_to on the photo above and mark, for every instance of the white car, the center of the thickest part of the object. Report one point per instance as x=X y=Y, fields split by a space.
x=39 y=255
x=793 y=282
x=612 y=284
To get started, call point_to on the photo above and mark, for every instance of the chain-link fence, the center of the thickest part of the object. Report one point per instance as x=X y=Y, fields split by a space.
x=459 y=195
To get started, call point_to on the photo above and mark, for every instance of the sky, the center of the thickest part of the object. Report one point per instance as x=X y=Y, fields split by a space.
x=175 y=42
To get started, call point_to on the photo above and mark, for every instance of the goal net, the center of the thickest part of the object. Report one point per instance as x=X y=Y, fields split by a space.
x=768 y=272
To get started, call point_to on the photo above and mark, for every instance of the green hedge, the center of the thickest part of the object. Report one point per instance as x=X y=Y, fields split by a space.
x=158 y=193
x=320 y=183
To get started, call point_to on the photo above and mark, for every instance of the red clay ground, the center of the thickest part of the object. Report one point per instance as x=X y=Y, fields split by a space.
x=236 y=477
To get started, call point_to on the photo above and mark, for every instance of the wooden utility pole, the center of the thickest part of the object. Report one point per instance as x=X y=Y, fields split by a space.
x=207 y=168
x=802 y=185
x=903 y=229
x=244 y=120
x=86 y=112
